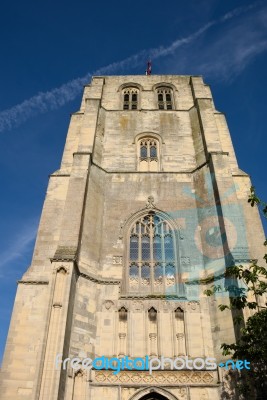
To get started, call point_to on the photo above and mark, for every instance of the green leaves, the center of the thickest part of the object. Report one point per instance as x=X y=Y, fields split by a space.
x=223 y=307
x=213 y=290
x=209 y=292
x=253 y=199
x=244 y=285
x=227 y=349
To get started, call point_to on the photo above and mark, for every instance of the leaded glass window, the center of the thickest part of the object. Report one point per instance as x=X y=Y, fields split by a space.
x=145 y=274
x=168 y=247
x=143 y=151
x=152 y=254
x=134 y=247
x=165 y=98
x=170 y=274
x=157 y=251
x=130 y=99
x=134 y=275
x=158 y=274
x=145 y=247
x=153 y=151
x=148 y=149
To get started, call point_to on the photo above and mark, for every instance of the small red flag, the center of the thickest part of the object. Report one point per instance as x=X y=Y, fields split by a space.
x=149 y=68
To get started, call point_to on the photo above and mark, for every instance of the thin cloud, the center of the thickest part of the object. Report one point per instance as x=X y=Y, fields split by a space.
x=225 y=58
x=19 y=246
x=240 y=10
x=51 y=100
x=165 y=51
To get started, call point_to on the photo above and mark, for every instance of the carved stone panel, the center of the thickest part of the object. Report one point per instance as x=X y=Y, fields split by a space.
x=156 y=378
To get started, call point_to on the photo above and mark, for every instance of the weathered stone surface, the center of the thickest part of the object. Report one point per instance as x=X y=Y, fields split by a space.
x=76 y=298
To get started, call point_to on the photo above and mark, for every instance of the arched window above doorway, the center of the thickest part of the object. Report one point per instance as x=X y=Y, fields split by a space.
x=152 y=265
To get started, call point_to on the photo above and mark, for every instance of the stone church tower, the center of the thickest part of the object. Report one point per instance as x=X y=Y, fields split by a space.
x=147 y=210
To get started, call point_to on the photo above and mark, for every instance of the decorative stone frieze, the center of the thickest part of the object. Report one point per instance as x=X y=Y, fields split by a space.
x=156 y=378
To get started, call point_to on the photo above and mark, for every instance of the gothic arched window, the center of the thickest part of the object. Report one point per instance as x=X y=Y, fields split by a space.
x=152 y=255
x=130 y=98
x=165 y=98
x=148 y=149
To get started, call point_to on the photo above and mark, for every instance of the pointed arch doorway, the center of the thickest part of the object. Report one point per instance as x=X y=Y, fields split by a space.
x=153 y=396
x=154 y=393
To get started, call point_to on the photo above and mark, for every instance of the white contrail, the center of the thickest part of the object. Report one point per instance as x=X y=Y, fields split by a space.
x=20 y=245
x=55 y=98
x=239 y=10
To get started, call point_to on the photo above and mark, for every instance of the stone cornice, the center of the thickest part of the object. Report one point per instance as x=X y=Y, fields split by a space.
x=58 y=175
x=101 y=281
x=65 y=253
x=32 y=282
x=151 y=172
x=148 y=109
x=152 y=297
x=87 y=153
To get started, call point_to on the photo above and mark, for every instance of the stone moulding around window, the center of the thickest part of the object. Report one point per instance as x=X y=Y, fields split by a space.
x=130 y=98
x=164 y=93
x=148 y=147
x=130 y=95
x=151 y=255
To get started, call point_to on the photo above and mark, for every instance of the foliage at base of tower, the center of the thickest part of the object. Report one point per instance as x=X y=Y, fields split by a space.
x=252 y=342
x=252 y=346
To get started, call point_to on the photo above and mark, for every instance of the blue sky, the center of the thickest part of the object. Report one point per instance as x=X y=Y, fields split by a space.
x=50 y=49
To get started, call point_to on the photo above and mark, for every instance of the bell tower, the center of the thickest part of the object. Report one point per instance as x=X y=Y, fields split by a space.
x=146 y=211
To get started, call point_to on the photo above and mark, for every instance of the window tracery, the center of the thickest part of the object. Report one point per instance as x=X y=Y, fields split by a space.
x=148 y=149
x=130 y=98
x=165 y=98
x=152 y=254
